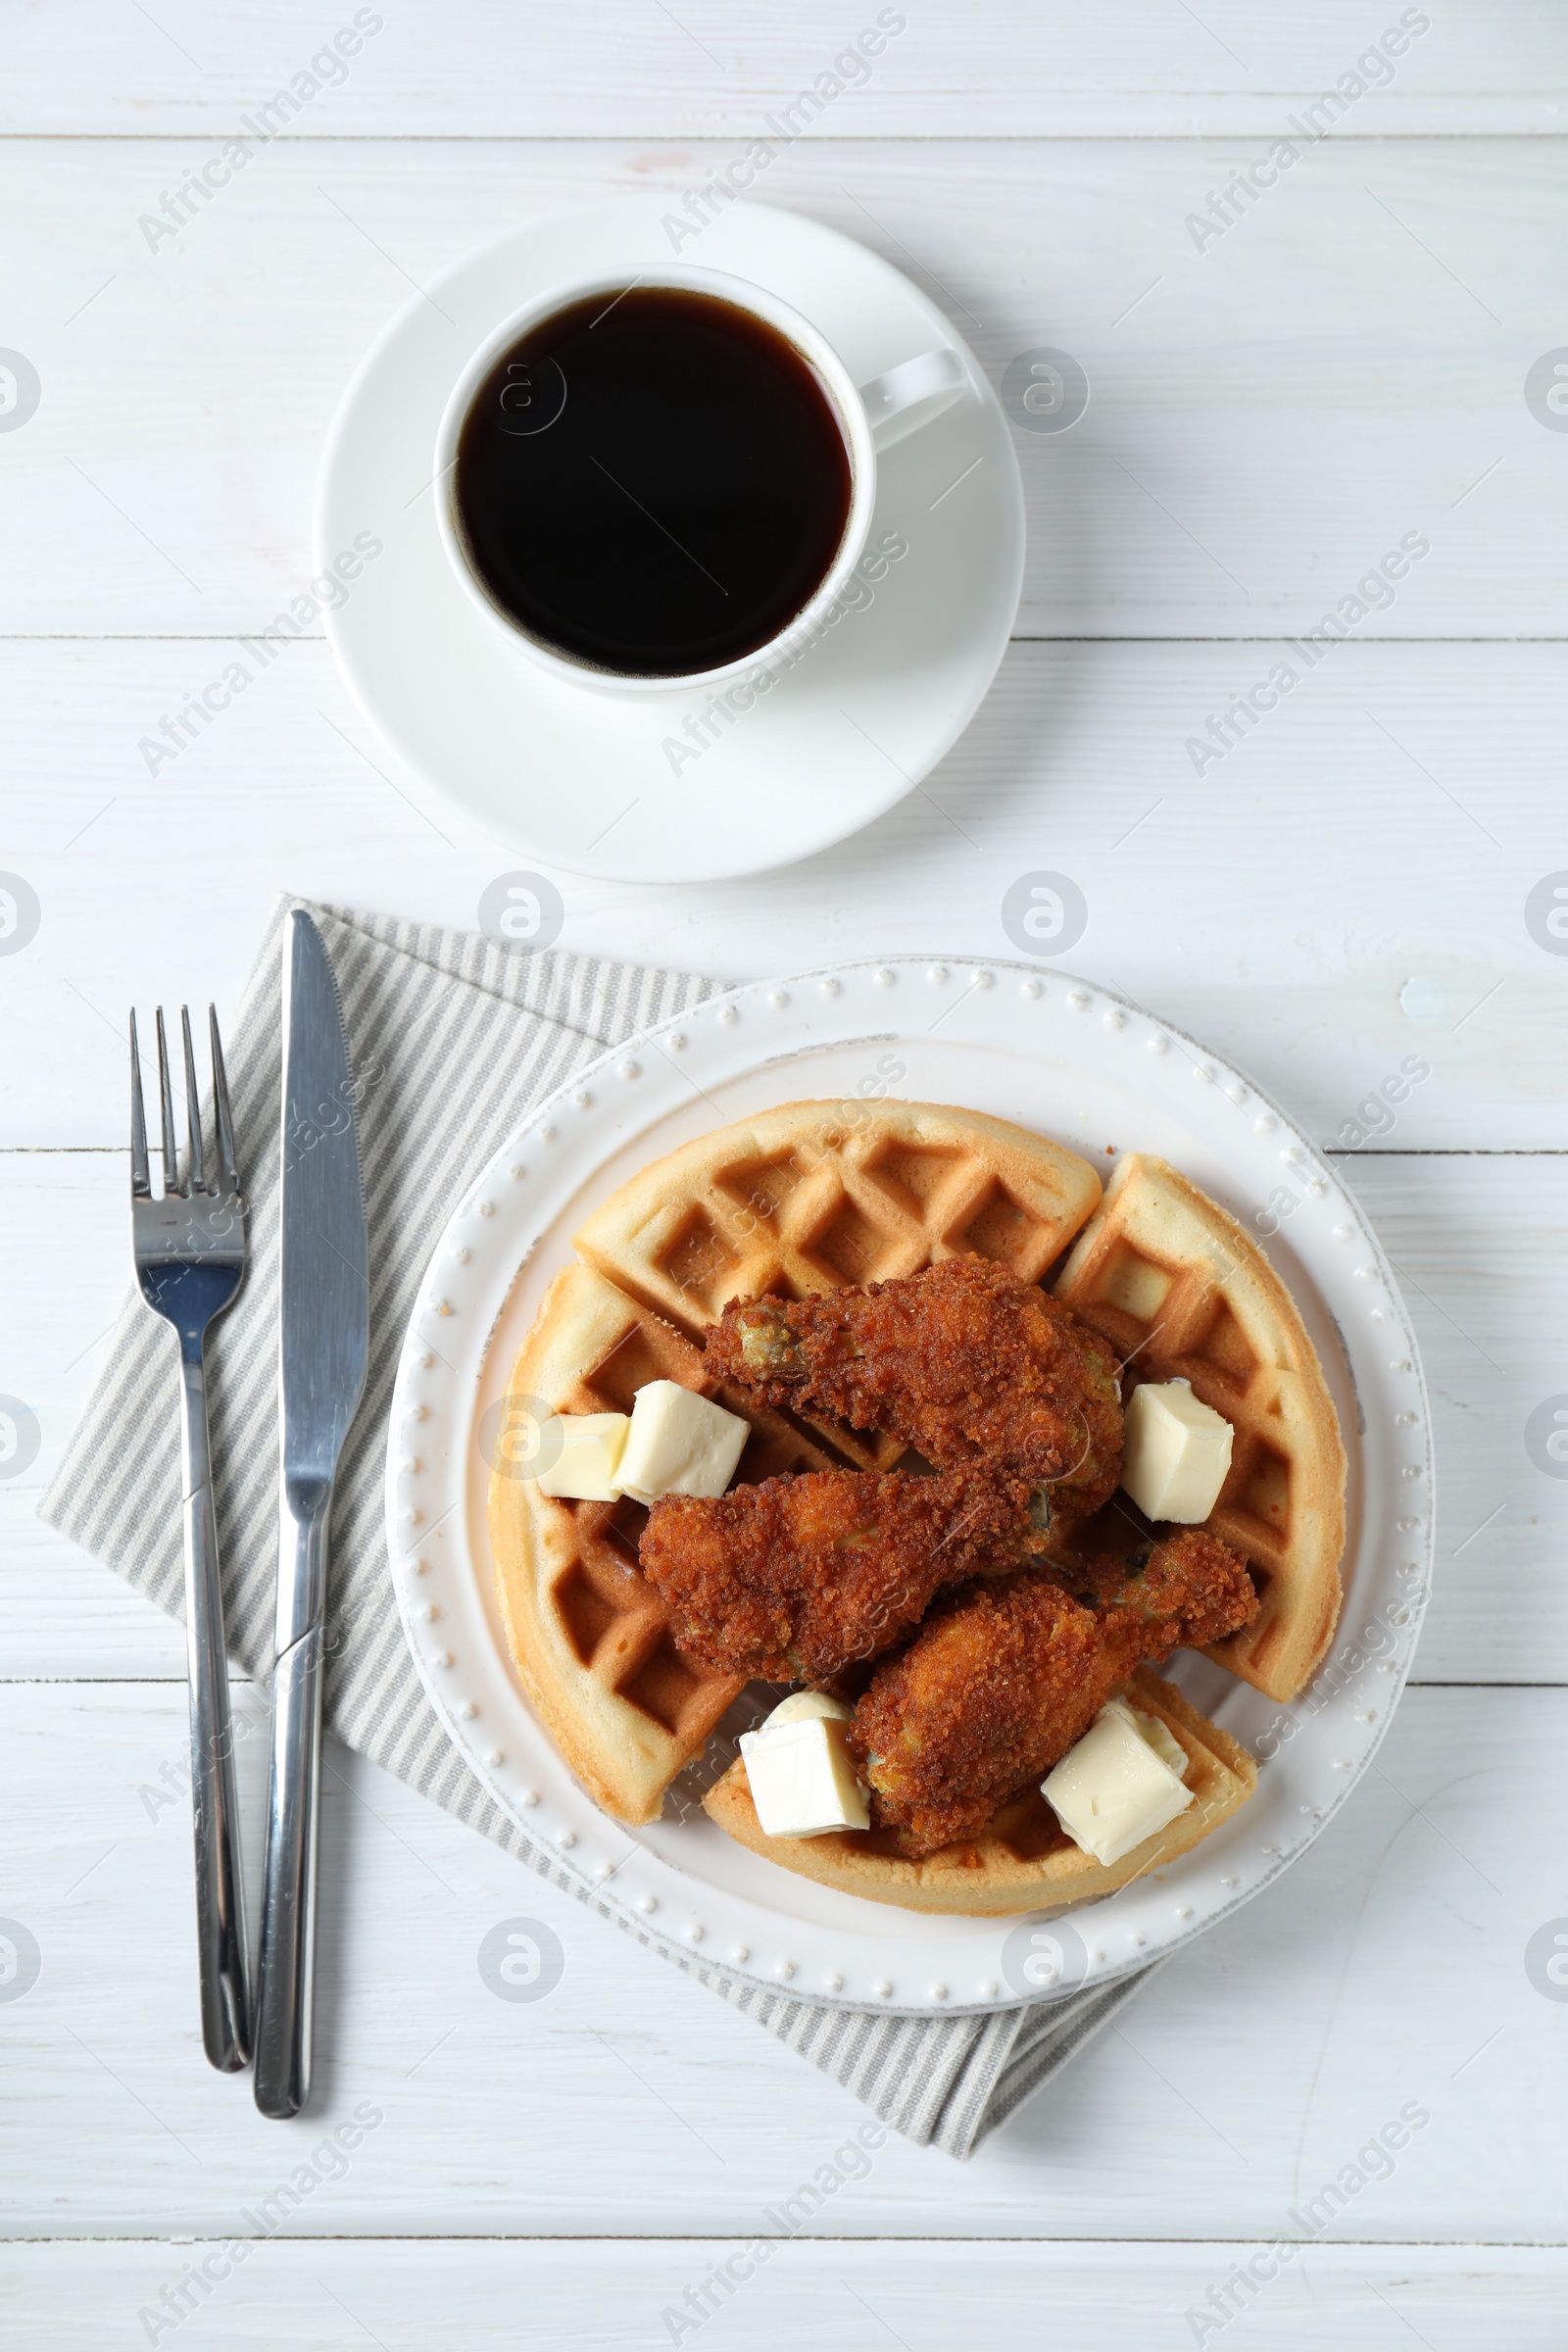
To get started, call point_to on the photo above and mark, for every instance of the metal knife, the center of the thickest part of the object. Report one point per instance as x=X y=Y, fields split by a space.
x=322 y=1346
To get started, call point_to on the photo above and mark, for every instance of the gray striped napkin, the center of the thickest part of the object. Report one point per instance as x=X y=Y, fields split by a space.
x=455 y=1038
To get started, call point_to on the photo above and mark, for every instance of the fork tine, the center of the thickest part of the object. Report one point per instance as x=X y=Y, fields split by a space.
x=228 y=1165
x=196 y=1166
x=141 y=1183
x=166 y=1098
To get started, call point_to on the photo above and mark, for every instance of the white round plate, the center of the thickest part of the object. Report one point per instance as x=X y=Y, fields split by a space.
x=1073 y=1063
x=616 y=785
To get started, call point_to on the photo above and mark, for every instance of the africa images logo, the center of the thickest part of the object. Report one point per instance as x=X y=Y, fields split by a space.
x=521 y=1960
x=521 y=910
x=1044 y=1958
x=1547 y=1960
x=1045 y=914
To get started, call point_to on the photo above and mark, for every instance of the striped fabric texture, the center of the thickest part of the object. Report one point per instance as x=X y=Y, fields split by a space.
x=453 y=1039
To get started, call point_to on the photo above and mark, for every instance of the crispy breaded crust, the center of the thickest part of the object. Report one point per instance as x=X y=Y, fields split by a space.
x=965 y=1361
x=795 y=1579
x=1007 y=1674
x=1181 y=1290
x=812 y=1195
x=1024 y=1861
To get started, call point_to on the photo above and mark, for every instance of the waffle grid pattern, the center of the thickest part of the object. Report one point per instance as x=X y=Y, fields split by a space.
x=610 y=1614
x=1157 y=1275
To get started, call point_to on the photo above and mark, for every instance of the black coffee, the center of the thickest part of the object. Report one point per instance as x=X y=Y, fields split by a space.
x=656 y=484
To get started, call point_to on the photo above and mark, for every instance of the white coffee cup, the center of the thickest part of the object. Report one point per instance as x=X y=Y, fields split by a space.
x=871 y=416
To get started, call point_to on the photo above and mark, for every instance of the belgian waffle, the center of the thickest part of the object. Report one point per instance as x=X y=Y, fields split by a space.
x=1024 y=1861
x=1181 y=1290
x=588 y=1636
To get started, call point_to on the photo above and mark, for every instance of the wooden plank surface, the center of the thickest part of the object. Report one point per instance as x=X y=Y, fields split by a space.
x=1387 y=1969
x=1257 y=438
x=602 y=69
x=1347 y=887
x=595 y=2296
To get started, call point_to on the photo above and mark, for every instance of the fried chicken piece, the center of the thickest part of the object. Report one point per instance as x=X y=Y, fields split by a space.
x=963 y=1360
x=791 y=1579
x=1181 y=1592
x=1005 y=1677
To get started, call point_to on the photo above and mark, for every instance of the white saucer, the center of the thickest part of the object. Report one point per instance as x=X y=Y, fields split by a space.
x=582 y=780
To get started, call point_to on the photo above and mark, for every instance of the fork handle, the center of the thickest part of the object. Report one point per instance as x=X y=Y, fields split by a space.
x=220 y=1895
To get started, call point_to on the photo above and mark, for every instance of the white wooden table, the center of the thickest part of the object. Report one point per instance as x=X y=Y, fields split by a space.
x=1273 y=408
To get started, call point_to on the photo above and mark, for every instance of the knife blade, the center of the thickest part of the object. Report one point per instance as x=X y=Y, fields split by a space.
x=323 y=1342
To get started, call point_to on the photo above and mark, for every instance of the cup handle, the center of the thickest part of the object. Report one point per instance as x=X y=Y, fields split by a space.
x=906 y=397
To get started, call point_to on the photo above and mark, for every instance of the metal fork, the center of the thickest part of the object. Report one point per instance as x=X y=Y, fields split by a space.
x=190 y=1246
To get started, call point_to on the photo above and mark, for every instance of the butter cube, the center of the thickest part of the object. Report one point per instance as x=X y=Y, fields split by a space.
x=591 y=1447
x=1162 y=1740
x=806 y=1707
x=1178 y=1452
x=1120 y=1784
x=679 y=1443
x=802 y=1777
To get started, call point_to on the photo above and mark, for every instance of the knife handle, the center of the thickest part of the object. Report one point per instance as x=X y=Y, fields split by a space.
x=219 y=1895
x=285 y=1981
